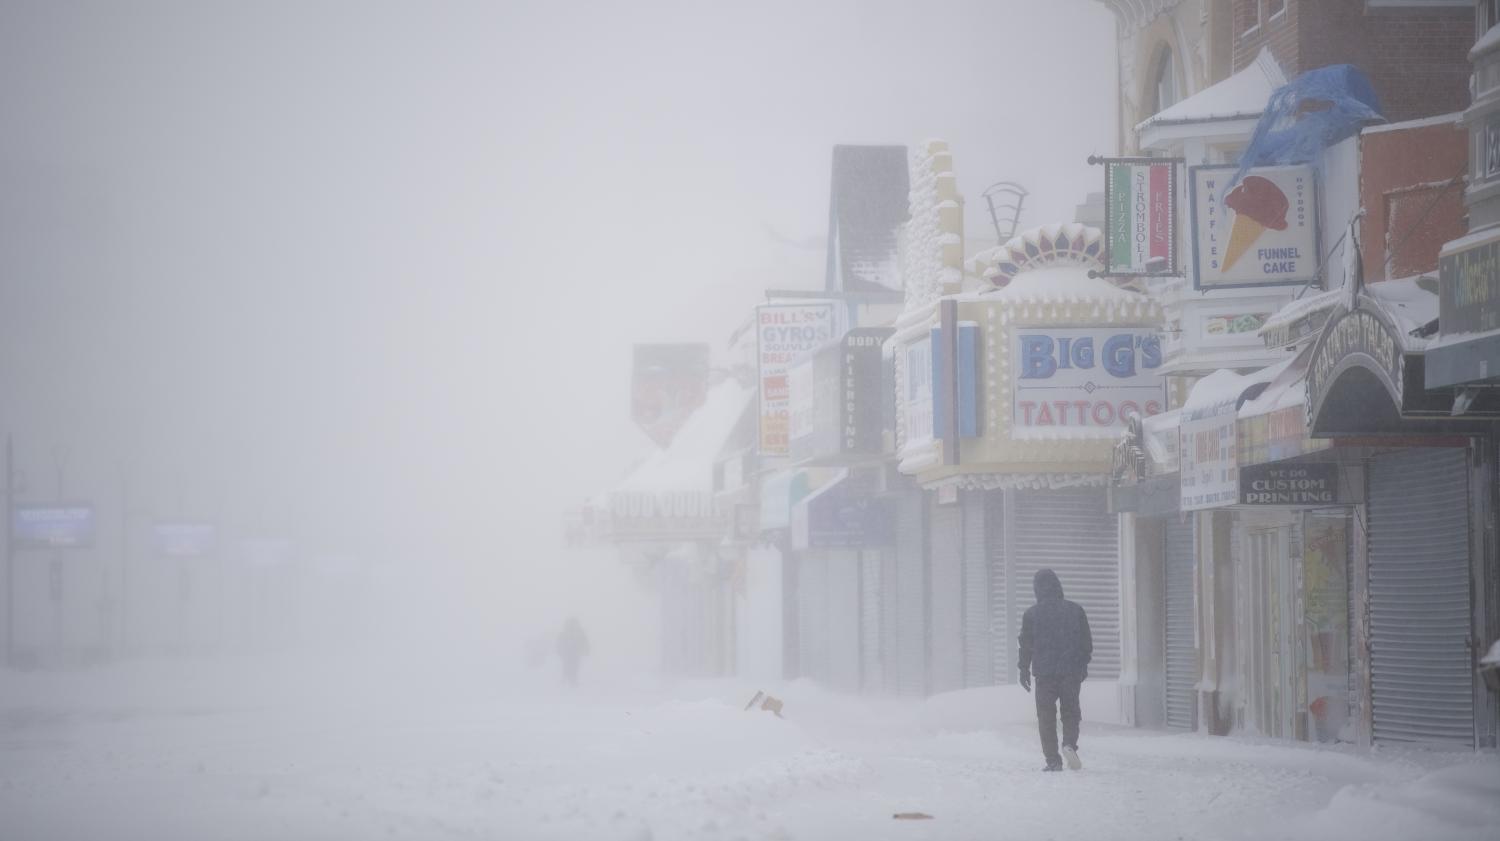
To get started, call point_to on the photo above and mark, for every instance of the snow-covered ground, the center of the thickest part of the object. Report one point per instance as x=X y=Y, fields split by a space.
x=254 y=751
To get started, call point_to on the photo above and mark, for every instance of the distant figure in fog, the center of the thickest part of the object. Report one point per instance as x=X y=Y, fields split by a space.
x=1056 y=647
x=572 y=647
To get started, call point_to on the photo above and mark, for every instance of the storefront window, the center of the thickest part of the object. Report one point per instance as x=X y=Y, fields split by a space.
x=1325 y=582
x=1165 y=89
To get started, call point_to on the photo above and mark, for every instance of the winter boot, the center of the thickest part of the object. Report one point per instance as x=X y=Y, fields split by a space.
x=1070 y=754
x=1053 y=765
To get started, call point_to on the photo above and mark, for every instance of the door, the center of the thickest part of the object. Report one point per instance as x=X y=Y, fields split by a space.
x=1269 y=651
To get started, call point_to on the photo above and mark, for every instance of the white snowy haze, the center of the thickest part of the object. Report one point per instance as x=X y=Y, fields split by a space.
x=367 y=275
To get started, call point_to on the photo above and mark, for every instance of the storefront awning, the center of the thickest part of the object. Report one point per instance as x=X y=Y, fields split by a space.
x=782 y=490
x=846 y=513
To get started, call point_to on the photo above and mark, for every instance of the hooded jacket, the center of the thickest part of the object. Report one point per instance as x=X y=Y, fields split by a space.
x=1055 y=638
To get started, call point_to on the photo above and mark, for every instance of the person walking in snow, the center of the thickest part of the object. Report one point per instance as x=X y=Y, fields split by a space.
x=572 y=646
x=1056 y=647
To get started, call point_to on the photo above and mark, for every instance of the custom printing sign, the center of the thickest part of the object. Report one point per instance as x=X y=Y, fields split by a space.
x=1141 y=217
x=1263 y=232
x=784 y=332
x=1086 y=379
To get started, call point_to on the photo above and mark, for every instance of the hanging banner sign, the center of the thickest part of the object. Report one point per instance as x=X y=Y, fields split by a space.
x=783 y=334
x=1083 y=381
x=1207 y=453
x=52 y=526
x=1140 y=216
x=667 y=384
x=1263 y=232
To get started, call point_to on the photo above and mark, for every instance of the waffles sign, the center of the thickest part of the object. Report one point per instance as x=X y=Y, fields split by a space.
x=1084 y=381
x=1262 y=232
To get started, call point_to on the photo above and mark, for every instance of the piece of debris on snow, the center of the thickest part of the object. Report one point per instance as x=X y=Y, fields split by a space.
x=768 y=703
x=912 y=816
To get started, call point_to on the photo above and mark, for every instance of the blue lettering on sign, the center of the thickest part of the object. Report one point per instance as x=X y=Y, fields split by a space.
x=1037 y=361
x=1123 y=353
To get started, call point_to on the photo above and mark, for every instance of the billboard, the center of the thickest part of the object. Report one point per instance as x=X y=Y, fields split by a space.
x=52 y=526
x=185 y=540
x=1140 y=216
x=668 y=382
x=1083 y=381
x=783 y=334
x=1262 y=232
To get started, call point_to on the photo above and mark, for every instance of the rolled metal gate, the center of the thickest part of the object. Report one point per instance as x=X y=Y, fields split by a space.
x=911 y=593
x=946 y=644
x=979 y=657
x=843 y=619
x=1071 y=532
x=1421 y=678
x=1182 y=654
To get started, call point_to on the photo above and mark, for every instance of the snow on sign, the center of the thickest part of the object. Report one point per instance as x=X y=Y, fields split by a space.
x=783 y=333
x=1262 y=232
x=1140 y=216
x=1085 y=381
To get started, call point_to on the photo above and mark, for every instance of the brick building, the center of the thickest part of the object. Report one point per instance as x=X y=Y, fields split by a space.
x=1415 y=52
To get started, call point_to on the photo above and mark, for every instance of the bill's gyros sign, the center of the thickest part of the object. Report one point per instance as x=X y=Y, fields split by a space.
x=784 y=332
x=1085 y=378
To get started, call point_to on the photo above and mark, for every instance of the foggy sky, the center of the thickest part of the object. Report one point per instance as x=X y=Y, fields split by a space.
x=371 y=272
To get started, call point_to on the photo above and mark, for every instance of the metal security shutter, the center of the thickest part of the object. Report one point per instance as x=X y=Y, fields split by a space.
x=946 y=644
x=911 y=593
x=1421 y=684
x=1000 y=614
x=812 y=617
x=979 y=658
x=843 y=620
x=872 y=673
x=890 y=624
x=1182 y=656
x=1071 y=532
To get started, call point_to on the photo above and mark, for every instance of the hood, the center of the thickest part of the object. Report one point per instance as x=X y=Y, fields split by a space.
x=1046 y=585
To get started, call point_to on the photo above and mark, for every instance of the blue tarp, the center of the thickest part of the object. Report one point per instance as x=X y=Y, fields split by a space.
x=1308 y=114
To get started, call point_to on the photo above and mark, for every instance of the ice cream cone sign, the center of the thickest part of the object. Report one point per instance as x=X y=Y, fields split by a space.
x=1258 y=204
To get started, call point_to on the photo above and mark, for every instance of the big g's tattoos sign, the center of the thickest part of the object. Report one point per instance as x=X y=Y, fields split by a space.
x=1083 y=381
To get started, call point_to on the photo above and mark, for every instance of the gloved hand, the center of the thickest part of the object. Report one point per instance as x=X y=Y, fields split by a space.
x=1026 y=681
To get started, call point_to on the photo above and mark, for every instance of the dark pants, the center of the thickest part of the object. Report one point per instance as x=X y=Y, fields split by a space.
x=1051 y=692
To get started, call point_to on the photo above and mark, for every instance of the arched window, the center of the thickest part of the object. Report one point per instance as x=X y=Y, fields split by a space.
x=1163 y=81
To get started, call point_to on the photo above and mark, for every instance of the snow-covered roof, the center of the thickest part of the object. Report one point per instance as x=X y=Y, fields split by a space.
x=1409 y=302
x=1240 y=96
x=1300 y=308
x=687 y=464
x=1060 y=285
x=1284 y=386
x=1225 y=386
x=867 y=207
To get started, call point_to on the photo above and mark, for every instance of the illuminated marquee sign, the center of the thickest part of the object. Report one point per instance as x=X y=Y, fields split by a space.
x=1089 y=379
